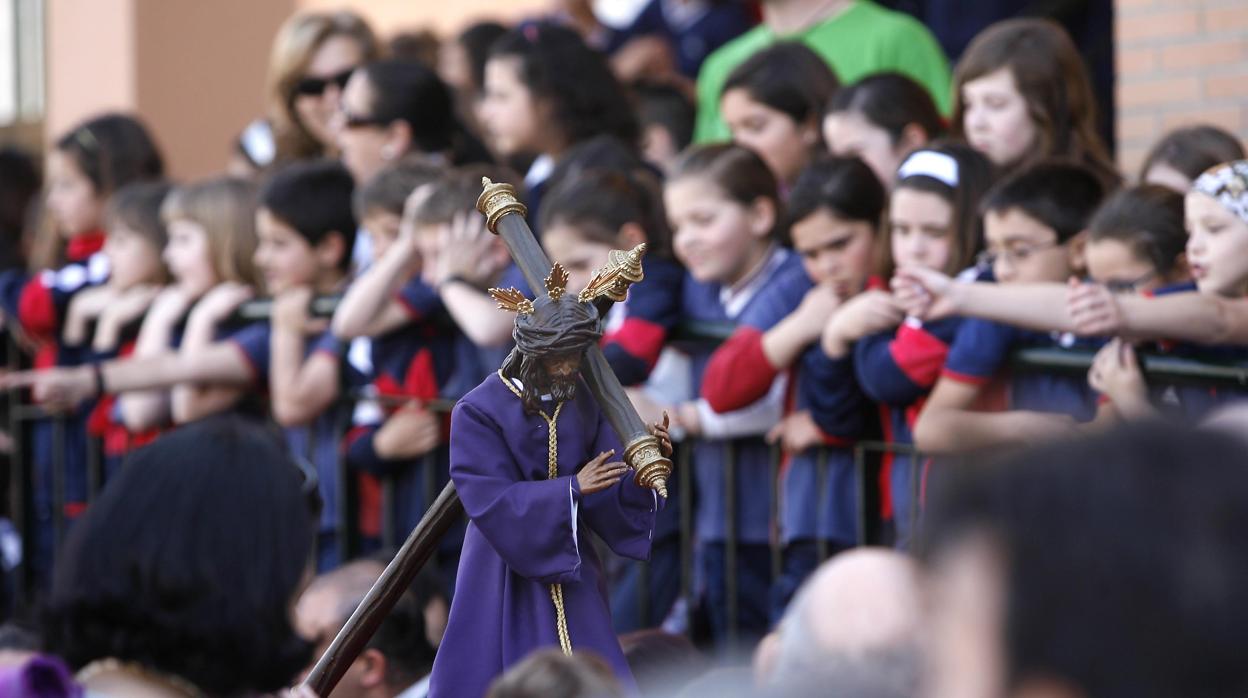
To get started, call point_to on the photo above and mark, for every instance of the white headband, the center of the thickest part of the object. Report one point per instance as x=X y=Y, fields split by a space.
x=929 y=163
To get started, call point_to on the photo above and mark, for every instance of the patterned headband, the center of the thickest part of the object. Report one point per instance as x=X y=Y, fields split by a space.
x=1228 y=183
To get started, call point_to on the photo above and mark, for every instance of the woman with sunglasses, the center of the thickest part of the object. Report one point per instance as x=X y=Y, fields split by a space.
x=313 y=57
x=392 y=108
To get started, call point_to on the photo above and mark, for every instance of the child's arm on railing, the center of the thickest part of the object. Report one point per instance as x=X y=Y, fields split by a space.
x=126 y=308
x=300 y=388
x=369 y=308
x=194 y=399
x=931 y=295
x=947 y=423
x=1194 y=317
x=143 y=410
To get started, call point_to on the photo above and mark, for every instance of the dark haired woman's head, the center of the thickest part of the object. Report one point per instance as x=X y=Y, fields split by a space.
x=546 y=90
x=1065 y=565
x=462 y=61
x=585 y=217
x=1022 y=94
x=1136 y=239
x=93 y=160
x=392 y=108
x=880 y=119
x=189 y=561
x=773 y=101
x=1184 y=154
x=723 y=204
x=834 y=213
x=19 y=185
x=933 y=216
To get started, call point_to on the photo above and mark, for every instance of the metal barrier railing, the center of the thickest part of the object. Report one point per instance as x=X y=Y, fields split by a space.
x=347 y=534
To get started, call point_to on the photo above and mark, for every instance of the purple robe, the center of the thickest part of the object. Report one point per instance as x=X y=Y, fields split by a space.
x=528 y=532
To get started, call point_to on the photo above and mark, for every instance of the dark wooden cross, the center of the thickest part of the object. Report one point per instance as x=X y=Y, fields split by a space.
x=505 y=217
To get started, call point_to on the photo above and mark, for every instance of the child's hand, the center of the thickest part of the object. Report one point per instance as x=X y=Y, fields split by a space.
x=925 y=293
x=128 y=307
x=223 y=299
x=464 y=250
x=86 y=306
x=867 y=313
x=57 y=389
x=411 y=205
x=665 y=439
x=170 y=305
x=796 y=432
x=133 y=303
x=411 y=432
x=817 y=307
x=598 y=474
x=290 y=310
x=1116 y=374
x=1093 y=310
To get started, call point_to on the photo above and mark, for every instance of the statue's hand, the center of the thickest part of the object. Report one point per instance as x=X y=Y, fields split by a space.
x=665 y=439
x=598 y=474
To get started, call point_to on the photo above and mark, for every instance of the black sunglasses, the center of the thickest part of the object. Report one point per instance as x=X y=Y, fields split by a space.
x=314 y=87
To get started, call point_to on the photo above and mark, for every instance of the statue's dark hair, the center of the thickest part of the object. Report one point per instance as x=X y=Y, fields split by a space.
x=554 y=328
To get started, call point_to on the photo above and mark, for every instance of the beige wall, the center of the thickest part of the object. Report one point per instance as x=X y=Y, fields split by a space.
x=444 y=16
x=194 y=69
x=90 y=60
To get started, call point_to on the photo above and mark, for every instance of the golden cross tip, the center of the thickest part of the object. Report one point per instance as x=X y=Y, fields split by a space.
x=485 y=181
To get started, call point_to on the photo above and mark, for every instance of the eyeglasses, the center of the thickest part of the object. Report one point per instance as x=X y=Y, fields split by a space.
x=1129 y=285
x=315 y=87
x=1015 y=255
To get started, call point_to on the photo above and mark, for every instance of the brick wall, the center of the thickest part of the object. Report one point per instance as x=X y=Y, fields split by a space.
x=1179 y=62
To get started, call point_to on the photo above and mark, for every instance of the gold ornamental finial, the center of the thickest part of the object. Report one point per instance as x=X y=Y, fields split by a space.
x=623 y=269
x=512 y=300
x=557 y=282
x=496 y=201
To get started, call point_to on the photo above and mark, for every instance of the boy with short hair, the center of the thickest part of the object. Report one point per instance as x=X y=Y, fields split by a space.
x=1034 y=226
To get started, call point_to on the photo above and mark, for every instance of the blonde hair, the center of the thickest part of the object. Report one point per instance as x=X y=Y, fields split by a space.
x=296 y=42
x=226 y=208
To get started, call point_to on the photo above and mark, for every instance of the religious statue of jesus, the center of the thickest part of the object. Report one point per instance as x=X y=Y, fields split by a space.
x=532 y=460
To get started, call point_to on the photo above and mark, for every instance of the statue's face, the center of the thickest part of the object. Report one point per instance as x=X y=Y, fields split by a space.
x=560 y=374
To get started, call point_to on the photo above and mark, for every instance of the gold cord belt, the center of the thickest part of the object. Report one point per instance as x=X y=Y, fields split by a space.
x=552 y=468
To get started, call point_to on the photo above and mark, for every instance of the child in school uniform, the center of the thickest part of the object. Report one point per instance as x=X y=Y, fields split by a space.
x=723 y=204
x=85 y=167
x=932 y=222
x=136 y=240
x=1034 y=223
x=834 y=213
x=585 y=217
x=407 y=353
x=305 y=226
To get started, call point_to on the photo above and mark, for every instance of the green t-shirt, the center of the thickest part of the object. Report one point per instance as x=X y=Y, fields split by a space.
x=863 y=39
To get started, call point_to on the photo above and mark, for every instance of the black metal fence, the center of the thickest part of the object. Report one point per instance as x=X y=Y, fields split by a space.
x=21 y=414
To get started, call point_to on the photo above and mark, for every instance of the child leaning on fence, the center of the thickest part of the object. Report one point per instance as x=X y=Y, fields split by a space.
x=407 y=351
x=727 y=224
x=86 y=167
x=933 y=222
